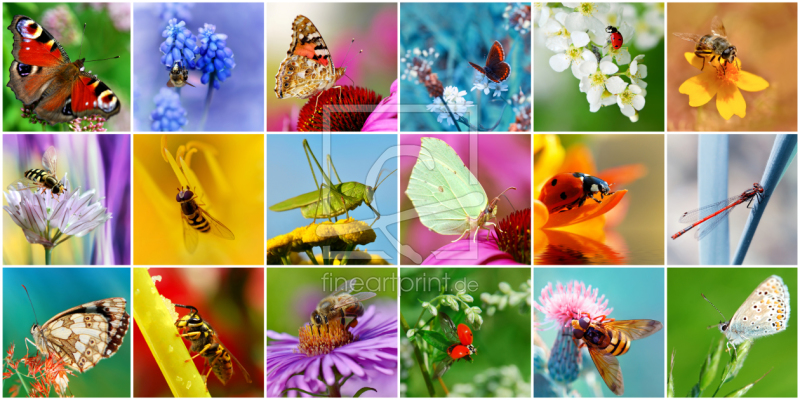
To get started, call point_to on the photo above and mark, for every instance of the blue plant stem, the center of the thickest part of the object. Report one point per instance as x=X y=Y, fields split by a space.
x=209 y=96
x=48 y=252
x=783 y=153
x=712 y=185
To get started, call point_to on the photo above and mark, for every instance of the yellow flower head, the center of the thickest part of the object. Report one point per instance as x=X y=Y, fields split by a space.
x=724 y=82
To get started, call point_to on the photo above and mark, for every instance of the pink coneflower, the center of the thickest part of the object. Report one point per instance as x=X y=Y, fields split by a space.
x=568 y=302
x=319 y=363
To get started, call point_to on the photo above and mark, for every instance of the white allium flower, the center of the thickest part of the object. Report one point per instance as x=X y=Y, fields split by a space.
x=49 y=220
x=630 y=100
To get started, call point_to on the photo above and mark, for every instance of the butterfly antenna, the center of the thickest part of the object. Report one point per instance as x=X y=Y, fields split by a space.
x=715 y=307
x=29 y=301
x=101 y=59
x=348 y=55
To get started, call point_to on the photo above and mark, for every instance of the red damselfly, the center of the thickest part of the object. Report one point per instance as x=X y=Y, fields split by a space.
x=716 y=212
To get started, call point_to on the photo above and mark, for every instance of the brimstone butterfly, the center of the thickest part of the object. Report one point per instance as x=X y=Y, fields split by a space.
x=446 y=195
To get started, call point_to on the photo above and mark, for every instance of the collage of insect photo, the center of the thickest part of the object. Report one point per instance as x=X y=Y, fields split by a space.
x=192 y=179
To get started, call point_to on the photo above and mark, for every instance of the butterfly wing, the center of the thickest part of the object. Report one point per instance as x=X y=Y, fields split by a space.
x=765 y=312
x=496 y=68
x=446 y=195
x=84 y=335
x=308 y=68
x=636 y=328
x=42 y=76
x=37 y=55
x=608 y=367
x=477 y=67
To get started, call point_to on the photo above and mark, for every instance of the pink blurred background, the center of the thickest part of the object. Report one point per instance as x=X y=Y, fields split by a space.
x=372 y=25
x=503 y=161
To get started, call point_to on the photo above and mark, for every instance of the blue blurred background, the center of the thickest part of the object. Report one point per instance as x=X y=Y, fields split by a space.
x=462 y=32
x=99 y=162
x=52 y=291
x=357 y=158
x=634 y=293
x=689 y=316
x=239 y=104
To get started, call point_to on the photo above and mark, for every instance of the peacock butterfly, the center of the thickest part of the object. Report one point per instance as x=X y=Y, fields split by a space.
x=45 y=80
x=496 y=69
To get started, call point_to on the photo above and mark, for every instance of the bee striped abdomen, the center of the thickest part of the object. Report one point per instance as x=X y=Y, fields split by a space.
x=195 y=218
x=620 y=343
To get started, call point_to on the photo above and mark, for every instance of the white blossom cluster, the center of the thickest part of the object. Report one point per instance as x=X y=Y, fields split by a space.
x=577 y=35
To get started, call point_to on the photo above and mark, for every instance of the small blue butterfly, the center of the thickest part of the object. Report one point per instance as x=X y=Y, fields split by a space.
x=765 y=312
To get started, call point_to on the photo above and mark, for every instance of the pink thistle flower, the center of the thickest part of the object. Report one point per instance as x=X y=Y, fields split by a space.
x=568 y=302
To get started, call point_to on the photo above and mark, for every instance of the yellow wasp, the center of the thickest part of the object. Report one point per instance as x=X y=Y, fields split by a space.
x=205 y=343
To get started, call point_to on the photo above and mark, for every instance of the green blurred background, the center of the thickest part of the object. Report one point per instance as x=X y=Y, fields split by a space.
x=107 y=35
x=504 y=339
x=689 y=315
x=634 y=293
x=54 y=290
x=559 y=104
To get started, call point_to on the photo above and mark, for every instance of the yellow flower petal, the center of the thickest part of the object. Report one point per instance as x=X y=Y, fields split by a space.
x=548 y=159
x=730 y=101
x=751 y=82
x=540 y=214
x=700 y=88
x=695 y=61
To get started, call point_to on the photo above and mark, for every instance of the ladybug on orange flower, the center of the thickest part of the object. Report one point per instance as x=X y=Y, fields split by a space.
x=565 y=191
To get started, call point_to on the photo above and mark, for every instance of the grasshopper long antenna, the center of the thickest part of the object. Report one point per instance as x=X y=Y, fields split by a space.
x=384 y=178
x=715 y=307
x=35 y=318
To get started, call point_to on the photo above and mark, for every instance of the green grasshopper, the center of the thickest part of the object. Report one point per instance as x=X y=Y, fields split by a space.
x=331 y=200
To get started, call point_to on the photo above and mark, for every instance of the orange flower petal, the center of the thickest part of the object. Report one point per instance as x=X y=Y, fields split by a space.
x=579 y=159
x=730 y=101
x=590 y=209
x=623 y=175
x=540 y=214
x=751 y=82
x=571 y=248
x=700 y=88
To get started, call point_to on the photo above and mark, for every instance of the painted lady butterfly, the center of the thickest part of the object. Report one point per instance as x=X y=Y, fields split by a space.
x=307 y=69
x=84 y=335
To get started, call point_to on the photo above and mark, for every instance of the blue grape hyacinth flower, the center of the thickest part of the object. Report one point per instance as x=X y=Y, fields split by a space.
x=215 y=56
x=179 y=45
x=169 y=115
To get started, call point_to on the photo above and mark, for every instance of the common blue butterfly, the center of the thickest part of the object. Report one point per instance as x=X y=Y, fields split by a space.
x=765 y=312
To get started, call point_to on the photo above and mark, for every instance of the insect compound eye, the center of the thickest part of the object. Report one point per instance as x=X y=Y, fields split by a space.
x=584 y=322
x=370 y=194
x=577 y=333
x=723 y=327
x=318 y=319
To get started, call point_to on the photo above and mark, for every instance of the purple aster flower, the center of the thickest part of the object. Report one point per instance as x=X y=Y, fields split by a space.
x=384 y=117
x=169 y=115
x=179 y=45
x=215 y=56
x=456 y=253
x=312 y=361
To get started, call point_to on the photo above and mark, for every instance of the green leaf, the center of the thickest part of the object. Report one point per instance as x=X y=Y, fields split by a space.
x=435 y=339
x=741 y=392
x=362 y=390
x=711 y=366
x=737 y=361
x=695 y=392
x=670 y=380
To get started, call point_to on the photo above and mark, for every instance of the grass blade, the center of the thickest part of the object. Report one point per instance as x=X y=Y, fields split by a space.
x=670 y=380
x=710 y=368
x=741 y=392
